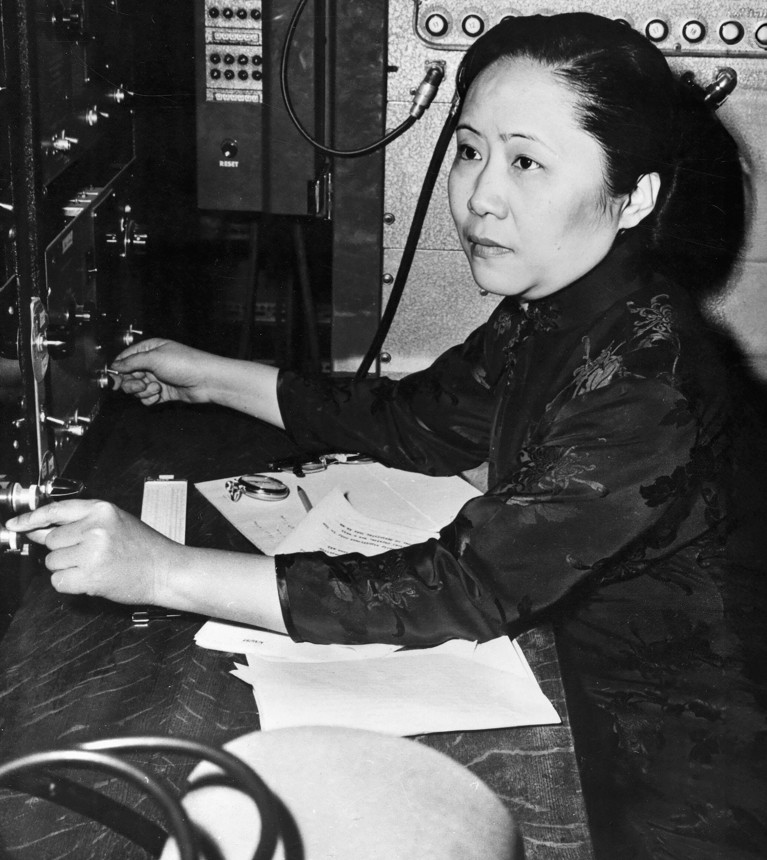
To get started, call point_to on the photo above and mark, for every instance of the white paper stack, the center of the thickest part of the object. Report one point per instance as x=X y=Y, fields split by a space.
x=456 y=686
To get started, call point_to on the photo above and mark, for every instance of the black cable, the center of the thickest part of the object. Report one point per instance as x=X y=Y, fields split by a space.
x=339 y=153
x=432 y=172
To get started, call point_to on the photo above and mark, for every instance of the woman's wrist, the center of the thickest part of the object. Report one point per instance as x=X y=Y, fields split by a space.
x=246 y=386
x=232 y=586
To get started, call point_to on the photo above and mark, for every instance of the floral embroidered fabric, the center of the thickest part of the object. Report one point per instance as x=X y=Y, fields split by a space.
x=604 y=419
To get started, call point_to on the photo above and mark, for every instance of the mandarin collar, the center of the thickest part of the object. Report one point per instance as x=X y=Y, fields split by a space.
x=617 y=275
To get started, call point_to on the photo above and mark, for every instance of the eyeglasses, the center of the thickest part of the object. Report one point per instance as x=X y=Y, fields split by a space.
x=301 y=466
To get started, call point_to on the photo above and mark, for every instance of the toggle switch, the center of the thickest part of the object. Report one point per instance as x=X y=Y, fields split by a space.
x=62 y=143
x=64 y=426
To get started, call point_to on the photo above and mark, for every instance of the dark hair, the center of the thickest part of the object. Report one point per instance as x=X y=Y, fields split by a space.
x=646 y=120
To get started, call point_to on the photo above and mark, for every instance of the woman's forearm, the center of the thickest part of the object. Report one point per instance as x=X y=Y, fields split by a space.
x=246 y=386
x=232 y=586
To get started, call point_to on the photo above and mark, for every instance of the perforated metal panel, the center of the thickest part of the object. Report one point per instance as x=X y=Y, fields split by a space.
x=441 y=305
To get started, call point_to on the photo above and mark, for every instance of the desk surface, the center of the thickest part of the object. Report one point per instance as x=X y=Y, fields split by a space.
x=75 y=669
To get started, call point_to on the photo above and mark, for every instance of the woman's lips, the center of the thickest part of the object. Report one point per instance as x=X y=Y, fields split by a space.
x=486 y=248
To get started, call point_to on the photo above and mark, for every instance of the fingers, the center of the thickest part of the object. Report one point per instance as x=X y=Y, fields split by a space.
x=63 y=559
x=54 y=514
x=135 y=383
x=63 y=536
x=68 y=581
x=132 y=356
x=144 y=386
x=39 y=536
x=95 y=548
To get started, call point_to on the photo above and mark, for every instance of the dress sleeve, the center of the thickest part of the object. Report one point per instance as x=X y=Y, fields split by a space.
x=436 y=421
x=613 y=483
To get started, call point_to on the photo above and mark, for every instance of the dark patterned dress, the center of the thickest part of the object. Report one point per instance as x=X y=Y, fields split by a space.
x=603 y=420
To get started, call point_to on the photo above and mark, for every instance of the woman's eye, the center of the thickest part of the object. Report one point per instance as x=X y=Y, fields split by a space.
x=466 y=152
x=525 y=163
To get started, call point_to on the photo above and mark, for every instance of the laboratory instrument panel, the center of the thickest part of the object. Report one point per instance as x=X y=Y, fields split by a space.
x=69 y=238
x=710 y=39
x=250 y=156
x=699 y=30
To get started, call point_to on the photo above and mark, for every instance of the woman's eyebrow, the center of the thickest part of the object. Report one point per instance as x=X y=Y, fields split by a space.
x=504 y=136
x=520 y=135
x=510 y=135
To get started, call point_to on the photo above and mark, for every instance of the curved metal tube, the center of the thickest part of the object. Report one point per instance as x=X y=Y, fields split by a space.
x=175 y=814
x=244 y=777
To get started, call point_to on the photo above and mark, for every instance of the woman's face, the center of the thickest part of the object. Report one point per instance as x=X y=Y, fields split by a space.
x=527 y=187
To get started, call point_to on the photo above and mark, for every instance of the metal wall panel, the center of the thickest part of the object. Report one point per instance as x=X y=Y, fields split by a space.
x=432 y=301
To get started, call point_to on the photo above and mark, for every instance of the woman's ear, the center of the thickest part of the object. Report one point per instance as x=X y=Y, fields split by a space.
x=640 y=203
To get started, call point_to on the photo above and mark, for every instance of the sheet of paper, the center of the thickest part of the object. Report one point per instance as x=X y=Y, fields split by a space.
x=241 y=639
x=334 y=527
x=459 y=686
x=398 y=497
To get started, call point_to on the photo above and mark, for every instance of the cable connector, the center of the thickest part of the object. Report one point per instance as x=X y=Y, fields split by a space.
x=427 y=89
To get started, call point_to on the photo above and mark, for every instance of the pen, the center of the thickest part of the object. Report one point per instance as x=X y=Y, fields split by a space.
x=304 y=499
x=142 y=617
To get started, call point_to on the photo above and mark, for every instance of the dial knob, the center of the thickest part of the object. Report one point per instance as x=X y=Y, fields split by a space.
x=229 y=148
x=18 y=499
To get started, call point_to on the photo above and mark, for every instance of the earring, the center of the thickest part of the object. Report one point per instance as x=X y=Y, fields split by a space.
x=482 y=292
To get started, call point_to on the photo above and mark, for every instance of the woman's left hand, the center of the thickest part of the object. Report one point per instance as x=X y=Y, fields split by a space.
x=97 y=549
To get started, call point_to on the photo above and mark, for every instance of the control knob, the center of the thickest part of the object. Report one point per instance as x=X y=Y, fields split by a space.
x=18 y=499
x=229 y=148
x=62 y=143
x=13 y=542
x=128 y=336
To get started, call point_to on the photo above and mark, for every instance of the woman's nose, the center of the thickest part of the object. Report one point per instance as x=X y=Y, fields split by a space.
x=487 y=195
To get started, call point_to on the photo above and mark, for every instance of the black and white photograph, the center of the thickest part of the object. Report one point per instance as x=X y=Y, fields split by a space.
x=383 y=430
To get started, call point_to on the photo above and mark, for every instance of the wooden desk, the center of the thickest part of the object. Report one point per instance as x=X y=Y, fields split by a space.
x=75 y=669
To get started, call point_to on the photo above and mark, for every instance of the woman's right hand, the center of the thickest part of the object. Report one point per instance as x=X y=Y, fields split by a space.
x=158 y=371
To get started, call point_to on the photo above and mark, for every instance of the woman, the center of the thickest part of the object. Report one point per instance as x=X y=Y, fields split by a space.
x=593 y=192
